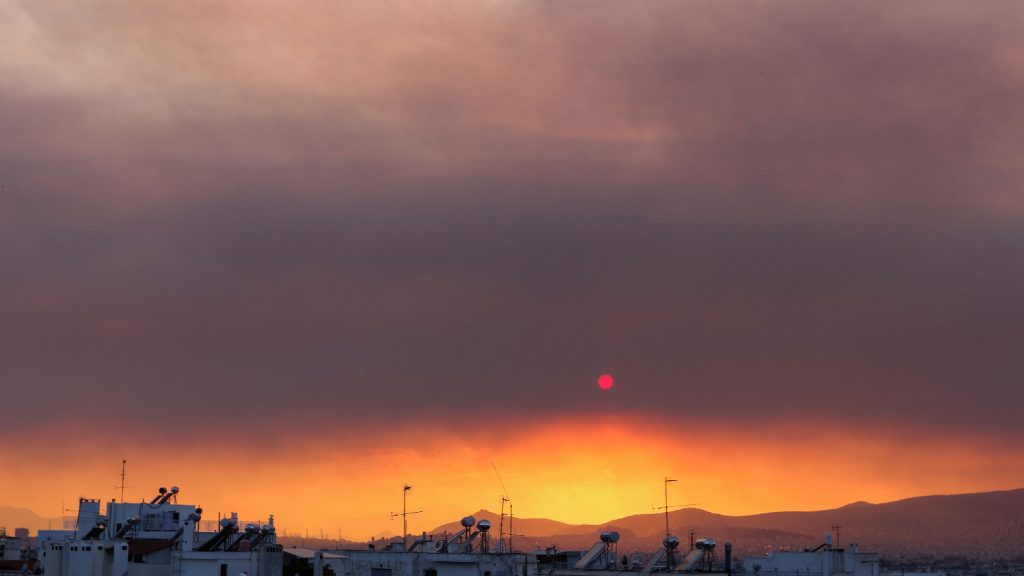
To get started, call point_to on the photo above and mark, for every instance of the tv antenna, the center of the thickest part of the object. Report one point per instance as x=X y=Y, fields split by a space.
x=63 y=510
x=122 y=486
x=504 y=498
x=501 y=522
x=405 y=517
x=668 y=506
x=835 y=528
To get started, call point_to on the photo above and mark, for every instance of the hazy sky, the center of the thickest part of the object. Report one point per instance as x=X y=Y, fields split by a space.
x=381 y=233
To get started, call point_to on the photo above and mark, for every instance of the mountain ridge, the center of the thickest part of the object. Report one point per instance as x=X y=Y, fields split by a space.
x=984 y=523
x=12 y=517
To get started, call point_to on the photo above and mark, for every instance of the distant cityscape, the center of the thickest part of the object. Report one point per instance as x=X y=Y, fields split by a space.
x=963 y=535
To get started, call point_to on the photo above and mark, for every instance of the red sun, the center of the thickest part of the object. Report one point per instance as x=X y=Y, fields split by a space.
x=605 y=381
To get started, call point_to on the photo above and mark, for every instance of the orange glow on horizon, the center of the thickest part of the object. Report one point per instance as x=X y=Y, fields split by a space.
x=578 y=470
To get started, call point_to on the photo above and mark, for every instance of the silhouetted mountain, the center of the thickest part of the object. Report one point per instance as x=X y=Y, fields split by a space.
x=529 y=526
x=981 y=525
x=12 y=518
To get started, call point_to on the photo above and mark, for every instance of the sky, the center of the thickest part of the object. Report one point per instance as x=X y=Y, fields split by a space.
x=293 y=256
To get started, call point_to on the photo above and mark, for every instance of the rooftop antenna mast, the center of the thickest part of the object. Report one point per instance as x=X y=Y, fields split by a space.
x=667 y=480
x=504 y=498
x=501 y=523
x=835 y=528
x=63 y=510
x=668 y=506
x=405 y=517
x=510 y=526
x=123 y=462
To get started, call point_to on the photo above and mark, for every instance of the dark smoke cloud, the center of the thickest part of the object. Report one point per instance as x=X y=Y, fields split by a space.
x=743 y=211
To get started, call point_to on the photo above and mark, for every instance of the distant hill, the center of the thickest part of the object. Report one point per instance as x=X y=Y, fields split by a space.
x=12 y=518
x=531 y=526
x=980 y=525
